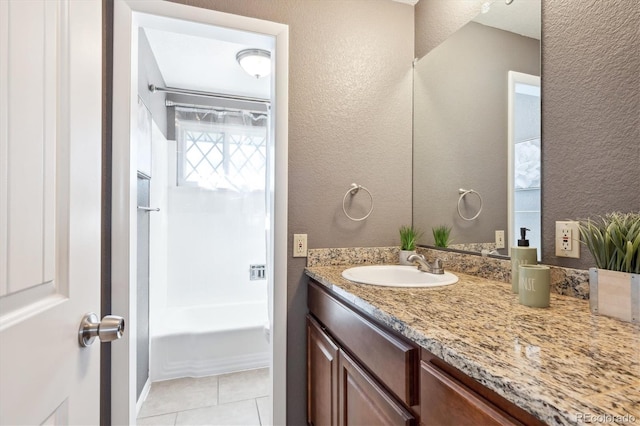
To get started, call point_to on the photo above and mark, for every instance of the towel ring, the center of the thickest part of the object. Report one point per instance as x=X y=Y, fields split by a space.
x=463 y=193
x=353 y=190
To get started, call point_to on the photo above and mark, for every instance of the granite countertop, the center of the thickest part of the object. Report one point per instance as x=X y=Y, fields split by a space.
x=562 y=364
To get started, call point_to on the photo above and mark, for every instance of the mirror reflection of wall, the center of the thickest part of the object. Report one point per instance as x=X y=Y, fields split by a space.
x=461 y=129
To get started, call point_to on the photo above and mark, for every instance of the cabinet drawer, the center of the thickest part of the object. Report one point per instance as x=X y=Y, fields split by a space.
x=392 y=360
x=445 y=401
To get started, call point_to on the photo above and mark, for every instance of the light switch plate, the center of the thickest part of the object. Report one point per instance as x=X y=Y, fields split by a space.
x=499 y=239
x=567 y=239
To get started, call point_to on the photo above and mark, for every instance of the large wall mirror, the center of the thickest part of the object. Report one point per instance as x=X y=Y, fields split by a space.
x=477 y=130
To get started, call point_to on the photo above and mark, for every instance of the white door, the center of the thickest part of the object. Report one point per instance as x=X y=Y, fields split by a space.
x=50 y=167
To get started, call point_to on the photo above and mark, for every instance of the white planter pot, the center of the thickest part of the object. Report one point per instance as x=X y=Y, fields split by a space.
x=615 y=294
x=403 y=256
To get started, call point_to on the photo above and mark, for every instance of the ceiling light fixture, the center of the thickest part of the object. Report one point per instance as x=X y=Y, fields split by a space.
x=256 y=62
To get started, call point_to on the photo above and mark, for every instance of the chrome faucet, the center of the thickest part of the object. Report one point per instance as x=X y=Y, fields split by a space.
x=424 y=266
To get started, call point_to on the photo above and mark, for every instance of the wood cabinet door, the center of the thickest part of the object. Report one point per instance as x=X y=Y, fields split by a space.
x=363 y=401
x=322 y=377
x=391 y=359
x=445 y=401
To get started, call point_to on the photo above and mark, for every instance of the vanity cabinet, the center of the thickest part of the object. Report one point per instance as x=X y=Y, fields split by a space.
x=322 y=376
x=445 y=401
x=359 y=372
x=450 y=397
x=363 y=401
x=340 y=392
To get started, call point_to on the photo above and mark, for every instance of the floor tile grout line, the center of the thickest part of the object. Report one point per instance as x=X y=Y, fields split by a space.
x=255 y=398
x=206 y=406
x=217 y=399
x=175 y=421
x=258 y=410
x=183 y=411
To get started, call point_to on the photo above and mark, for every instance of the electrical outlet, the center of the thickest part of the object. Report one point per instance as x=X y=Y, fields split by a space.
x=499 y=239
x=299 y=245
x=567 y=239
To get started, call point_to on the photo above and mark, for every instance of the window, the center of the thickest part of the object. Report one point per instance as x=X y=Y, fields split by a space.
x=222 y=155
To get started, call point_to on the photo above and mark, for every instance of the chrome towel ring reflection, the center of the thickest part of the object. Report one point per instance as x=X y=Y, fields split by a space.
x=353 y=190
x=463 y=193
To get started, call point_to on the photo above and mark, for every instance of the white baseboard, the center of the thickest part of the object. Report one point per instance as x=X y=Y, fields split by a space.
x=143 y=395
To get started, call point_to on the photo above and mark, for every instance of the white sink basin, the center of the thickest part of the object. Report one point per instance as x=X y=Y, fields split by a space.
x=397 y=276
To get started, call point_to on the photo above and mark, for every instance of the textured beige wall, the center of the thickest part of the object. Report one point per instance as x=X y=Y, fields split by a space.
x=590 y=113
x=435 y=20
x=590 y=105
x=349 y=121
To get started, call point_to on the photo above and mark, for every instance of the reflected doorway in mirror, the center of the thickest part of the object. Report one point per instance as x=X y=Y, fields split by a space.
x=524 y=185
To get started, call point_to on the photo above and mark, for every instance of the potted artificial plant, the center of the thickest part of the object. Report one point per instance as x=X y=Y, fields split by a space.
x=408 y=239
x=441 y=235
x=614 y=285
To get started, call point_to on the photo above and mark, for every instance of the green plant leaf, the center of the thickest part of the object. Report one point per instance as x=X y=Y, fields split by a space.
x=441 y=235
x=409 y=237
x=614 y=240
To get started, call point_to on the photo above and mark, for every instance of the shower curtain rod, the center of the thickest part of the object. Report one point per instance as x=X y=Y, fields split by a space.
x=153 y=88
x=169 y=103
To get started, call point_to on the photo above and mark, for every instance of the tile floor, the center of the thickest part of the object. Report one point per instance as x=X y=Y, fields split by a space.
x=228 y=399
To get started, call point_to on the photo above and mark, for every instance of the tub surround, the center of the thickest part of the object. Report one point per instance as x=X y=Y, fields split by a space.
x=562 y=364
x=200 y=341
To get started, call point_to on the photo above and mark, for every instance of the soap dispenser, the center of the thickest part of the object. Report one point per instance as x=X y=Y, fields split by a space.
x=521 y=255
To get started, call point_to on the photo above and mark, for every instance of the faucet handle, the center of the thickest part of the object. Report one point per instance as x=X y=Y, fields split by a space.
x=437 y=267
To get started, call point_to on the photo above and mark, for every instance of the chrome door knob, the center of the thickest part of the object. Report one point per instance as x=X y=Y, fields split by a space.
x=110 y=328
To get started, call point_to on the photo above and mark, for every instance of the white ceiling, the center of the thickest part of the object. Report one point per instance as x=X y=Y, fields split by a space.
x=200 y=62
x=520 y=17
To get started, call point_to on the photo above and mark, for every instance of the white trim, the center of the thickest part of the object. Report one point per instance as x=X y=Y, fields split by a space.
x=143 y=395
x=124 y=224
x=513 y=79
x=278 y=315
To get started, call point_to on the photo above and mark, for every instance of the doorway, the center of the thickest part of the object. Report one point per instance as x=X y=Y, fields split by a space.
x=524 y=154
x=131 y=19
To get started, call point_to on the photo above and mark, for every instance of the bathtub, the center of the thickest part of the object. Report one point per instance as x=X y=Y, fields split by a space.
x=211 y=339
